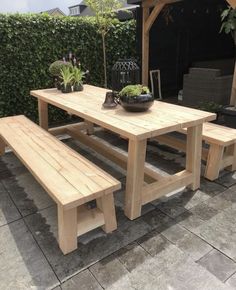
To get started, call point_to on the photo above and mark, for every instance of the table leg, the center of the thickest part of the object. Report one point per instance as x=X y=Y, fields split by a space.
x=43 y=114
x=193 y=154
x=90 y=127
x=135 y=178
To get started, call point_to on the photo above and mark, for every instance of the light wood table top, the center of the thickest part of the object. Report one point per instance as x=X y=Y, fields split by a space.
x=160 y=119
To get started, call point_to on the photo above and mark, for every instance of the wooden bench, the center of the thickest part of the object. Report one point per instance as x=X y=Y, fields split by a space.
x=222 y=148
x=69 y=178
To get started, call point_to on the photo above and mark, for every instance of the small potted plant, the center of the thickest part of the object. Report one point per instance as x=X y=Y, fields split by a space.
x=55 y=71
x=136 y=98
x=67 y=77
x=78 y=79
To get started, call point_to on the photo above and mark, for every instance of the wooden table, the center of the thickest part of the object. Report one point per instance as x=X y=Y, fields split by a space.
x=143 y=184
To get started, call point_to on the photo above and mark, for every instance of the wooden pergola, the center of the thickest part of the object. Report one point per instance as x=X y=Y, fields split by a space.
x=148 y=20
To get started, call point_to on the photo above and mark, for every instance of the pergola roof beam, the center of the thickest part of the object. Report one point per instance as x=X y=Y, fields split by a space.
x=232 y=3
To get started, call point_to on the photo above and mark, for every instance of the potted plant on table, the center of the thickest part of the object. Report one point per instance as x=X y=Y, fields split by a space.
x=228 y=17
x=136 y=98
x=55 y=70
x=67 y=77
x=78 y=75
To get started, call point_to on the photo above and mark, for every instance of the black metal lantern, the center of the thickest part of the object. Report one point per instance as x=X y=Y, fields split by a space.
x=125 y=72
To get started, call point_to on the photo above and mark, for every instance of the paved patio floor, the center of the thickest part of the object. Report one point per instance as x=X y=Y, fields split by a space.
x=184 y=241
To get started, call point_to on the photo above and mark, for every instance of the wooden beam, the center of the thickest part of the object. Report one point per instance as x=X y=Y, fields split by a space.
x=109 y=152
x=145 y=48
x=233 y=92
x=168 y=184
x=232 y=3
x=155 y=12
x=152 y=3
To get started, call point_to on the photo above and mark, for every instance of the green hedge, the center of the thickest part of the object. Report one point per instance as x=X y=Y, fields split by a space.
x=29 y=43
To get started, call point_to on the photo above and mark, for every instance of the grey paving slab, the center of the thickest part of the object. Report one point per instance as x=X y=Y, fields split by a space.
x=8 y=211
x=154 y=243
x=218 y=264
x=187 y=242
x=232 y=281
x=156 y=219
x=204 y=211
x=228 y=179
x=108 y=271
x=211 y=188
x=180 y=202
x=4 y=171
x=22 y=264
x=171 y=268
x=82 y=281
x=168 y=268
x=92 y=246
x=190 y=221
x=12 y=162
x=132 y=256
x=220 y=231
x=27 y=193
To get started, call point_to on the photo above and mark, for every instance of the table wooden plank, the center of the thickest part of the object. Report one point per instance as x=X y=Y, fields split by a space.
x=161 y=118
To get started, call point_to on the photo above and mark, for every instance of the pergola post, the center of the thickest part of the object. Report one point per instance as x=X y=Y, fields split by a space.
x=232 y=3
x=148 y=20
x=145 y=48
x=233 y=92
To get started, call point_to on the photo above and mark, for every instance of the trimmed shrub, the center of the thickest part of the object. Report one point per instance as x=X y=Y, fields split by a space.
x=30 y=43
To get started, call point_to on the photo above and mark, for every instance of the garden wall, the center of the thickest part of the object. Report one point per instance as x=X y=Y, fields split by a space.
x=29 y=43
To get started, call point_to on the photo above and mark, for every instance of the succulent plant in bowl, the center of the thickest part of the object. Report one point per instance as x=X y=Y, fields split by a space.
x=136 y=98
x=67 y=77
x=78 y=79
x=55 y=71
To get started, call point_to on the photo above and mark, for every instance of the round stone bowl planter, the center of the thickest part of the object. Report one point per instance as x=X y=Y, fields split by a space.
x=139 y=103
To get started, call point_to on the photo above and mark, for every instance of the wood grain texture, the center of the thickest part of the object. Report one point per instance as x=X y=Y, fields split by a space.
x=217 y=134
x=193 y=154
x=107 y=206
x=214 y=161
x=160 y=119
x=43 y=114
x=135 y=178
x=68 y=177
x=67 y=229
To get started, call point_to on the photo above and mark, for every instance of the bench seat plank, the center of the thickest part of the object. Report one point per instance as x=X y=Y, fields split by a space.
x=218 y=134
x=69 y=178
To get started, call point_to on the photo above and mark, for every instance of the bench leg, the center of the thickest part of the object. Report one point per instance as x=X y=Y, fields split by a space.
x=2 y=147
x=231 y=150
x=43 y=114
x=67 y=229
x=215 y=157
x=90 y=127
x=106 y=205
x=193 y=154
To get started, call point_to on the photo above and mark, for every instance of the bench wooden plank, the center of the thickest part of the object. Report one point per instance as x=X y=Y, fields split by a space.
x=69 y=178
x=214 y=133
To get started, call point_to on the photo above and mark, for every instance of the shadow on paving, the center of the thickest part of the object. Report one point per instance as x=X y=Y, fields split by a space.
x=22 y=263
